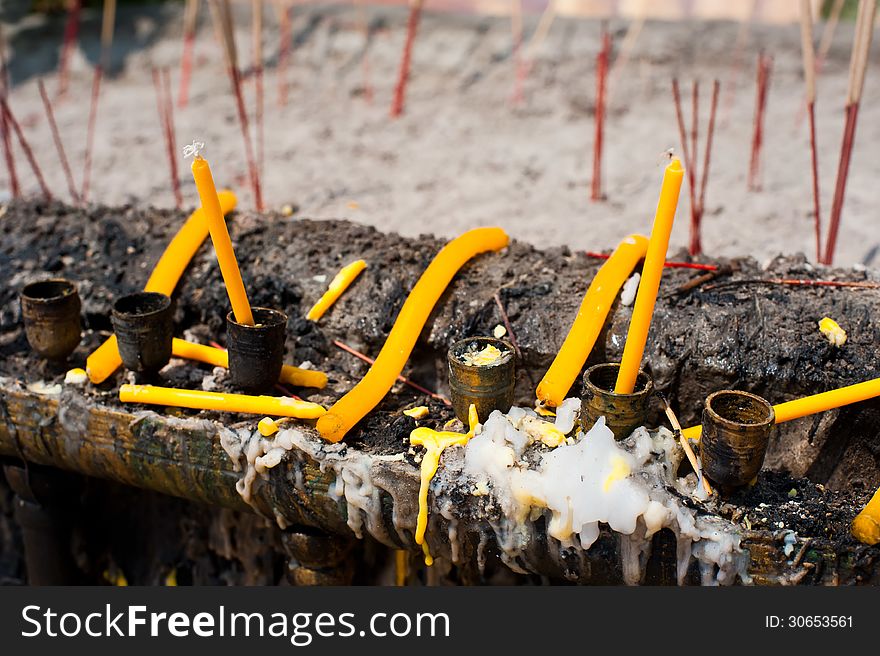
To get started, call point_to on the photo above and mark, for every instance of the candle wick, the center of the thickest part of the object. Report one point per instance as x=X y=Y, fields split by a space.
x=194 y=150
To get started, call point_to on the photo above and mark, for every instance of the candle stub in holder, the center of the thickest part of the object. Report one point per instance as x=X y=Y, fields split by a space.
x=143 y=323
x=481 y=372
x=623 y=412
x=51 y=313
x=256 y=351
x=736 y=432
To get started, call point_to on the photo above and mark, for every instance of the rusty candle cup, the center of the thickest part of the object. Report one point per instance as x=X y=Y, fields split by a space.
x=623 y=412
x=256 y=352
x=51 y=313
x=736 y=432
x=487 y=386
x=143 y=323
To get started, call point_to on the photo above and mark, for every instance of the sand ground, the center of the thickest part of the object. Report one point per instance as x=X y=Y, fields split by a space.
x=462 y=155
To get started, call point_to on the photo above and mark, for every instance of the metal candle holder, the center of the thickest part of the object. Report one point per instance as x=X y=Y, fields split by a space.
x=256 y=352
x=489 y=387
x=51 y=313
x=623 y=412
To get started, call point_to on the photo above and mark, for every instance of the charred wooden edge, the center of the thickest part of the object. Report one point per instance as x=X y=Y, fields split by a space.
x=185 y=459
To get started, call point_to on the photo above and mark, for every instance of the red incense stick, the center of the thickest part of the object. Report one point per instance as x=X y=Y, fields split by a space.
x=412 y=26
x=71 y=30
x=601 y=75
x=25 y=146
x=59 y=145
x=90 y=134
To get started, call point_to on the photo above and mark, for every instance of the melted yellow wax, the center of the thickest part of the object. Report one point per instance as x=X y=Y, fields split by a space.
x=435 y=442
x=483 y=357
x=832 y=331
x=267 y=426
x=419 y=412
x=619 y=470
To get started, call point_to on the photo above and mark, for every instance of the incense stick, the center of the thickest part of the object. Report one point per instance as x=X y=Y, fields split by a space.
x=858 y=67
x=809 y=65
x=59 y=145
x=90 y=133
x=412 y=25
x=765 y=63
x=598 y=141
x=25 y=146
x=71 y=29
x=108 y=23
x=258 y=85
x=190 y=18
x=283 y=49
x=4 y=127
x=516 y=33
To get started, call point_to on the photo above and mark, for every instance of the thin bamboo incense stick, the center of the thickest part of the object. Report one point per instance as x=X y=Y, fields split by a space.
x=90 y=133
x=689 y=155
x=190 y=18
x=71 y=29
x=59 y=145
x=108 y=23
x=412 y=25
x=827 y=37
x=283 y=12
x=516 y=32
x=716 y=90
x=599 y=137
x=858 y=68
x=765 y=63
x=695 y=121
x=809 y=64
x=258 y=85
x=25 y=146
x=223 y=26
x=172 y=140
x=4 y=126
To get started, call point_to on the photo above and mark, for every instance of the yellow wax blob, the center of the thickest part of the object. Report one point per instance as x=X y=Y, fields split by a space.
x=267 y=426
x=337 y=286
x=166 y=274
x=222 y=243
x=489 y=354
x=401 y=567
x=199 y=400
x=435 y=442
x=866 y=525
x=543 y=431
x=419 y=412
x=543 y=411
x=352 y=407
x=810 y=405
x=76 y=376
x=590 y=318
x=180 y=348
x=620 y=469
x=649 y=284
x=832 y=331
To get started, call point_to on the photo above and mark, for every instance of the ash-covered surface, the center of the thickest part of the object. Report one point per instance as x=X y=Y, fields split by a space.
x=758 y=337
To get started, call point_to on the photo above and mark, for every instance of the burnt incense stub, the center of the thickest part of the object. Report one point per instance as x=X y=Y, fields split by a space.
x=256 y=352
x=51 y=313
x=481 y=373
x=623 y=412
x=143 y=323
x=736 y=432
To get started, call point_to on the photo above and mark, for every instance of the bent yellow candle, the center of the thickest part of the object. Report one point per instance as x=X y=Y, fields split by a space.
x=241 y=308
x=649 y=284
x=104 y=360
x=435 y=442
x=198 y=400
x=290 y=375
x=352 y=407
x=810 y=405
x=866 y=525
x=590 y=318
x=337 y=286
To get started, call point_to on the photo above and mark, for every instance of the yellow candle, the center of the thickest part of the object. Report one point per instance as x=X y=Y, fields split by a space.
x=337 y=286
x=166 y=274
x=590 y=318
x=352 y=407
x=649 y=285
x=866 y=525
x=198 y=400
x=290 y=375
x=241 y=308
x=810 y=405
x=435 y=442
